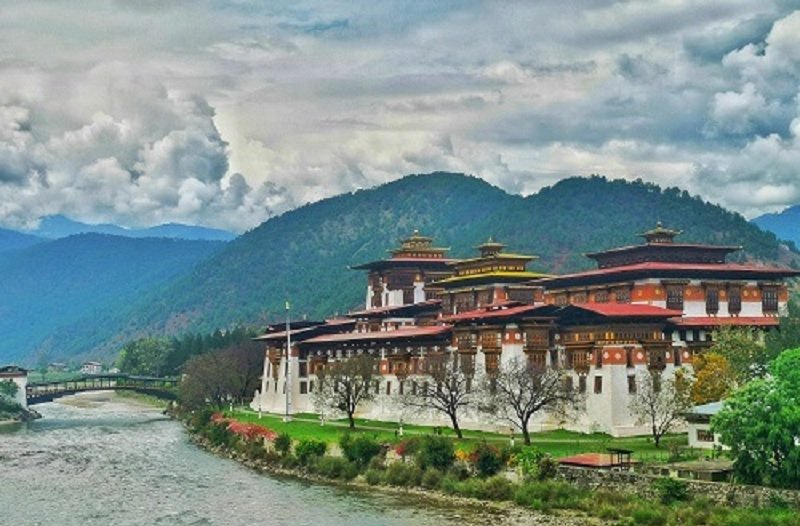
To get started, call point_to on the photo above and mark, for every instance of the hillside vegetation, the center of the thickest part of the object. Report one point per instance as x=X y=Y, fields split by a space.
x=61 y=296
x=304 y=255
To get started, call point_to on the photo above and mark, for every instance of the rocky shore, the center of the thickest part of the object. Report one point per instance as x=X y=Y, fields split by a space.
x=504 y=513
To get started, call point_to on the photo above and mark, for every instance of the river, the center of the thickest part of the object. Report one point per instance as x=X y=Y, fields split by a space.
x=100 y=459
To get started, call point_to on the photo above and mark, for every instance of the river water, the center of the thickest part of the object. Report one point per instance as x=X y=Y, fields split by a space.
x=100 y=459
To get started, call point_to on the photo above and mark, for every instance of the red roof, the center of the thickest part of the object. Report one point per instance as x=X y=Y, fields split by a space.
x=499 y=310
x=656 y=265
x=627 y=310
x=711 y=321
x=411 y=332
x=591 y=460
x=667 y=246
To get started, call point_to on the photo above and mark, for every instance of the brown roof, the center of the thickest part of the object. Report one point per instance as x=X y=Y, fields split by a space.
x=712 y=321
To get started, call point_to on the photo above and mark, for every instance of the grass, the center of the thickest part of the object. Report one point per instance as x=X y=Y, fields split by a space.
x=558 y=443
x=37 y=377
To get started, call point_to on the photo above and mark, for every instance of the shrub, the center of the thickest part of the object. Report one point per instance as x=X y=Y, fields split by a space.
x=647 y=515
x=289 y=461
x=435 y=452
x=219 y=435
x=548 y=468
x=671 y=490
x=283 y=444
x=308 y=449
x=459 y=471
x=200 y=418
x=449 y=484
x=486 y=459
x=497 y=488
x=547 y=494
x=361 y=449
x=254 y=449
x=331 y=467
x=373 y=476
x=431 y=478
x=400 y=474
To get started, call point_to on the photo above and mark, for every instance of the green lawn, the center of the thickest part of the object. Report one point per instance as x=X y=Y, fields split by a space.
x=559 y=443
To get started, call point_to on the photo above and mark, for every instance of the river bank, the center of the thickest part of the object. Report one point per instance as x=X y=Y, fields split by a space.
x=538 y=497
x=99 y=459
x=510 y=514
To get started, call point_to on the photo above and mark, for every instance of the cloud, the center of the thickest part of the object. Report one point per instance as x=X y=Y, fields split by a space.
x=224 y=114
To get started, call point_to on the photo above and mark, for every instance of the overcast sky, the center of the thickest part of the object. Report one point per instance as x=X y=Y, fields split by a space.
x=223 y=113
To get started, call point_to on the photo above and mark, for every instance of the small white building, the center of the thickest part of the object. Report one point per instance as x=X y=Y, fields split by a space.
x=699 y=426
x=92 y=368
x=19 y=376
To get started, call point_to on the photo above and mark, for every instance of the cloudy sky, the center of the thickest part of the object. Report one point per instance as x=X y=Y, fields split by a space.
x=223 y=113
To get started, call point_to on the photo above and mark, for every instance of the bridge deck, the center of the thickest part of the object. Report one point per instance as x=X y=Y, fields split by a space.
x=38 y=393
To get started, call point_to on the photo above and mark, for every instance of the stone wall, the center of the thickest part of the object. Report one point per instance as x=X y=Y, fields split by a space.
x=642 y=485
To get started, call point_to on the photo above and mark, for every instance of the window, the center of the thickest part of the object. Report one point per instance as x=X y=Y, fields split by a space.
x=582 y=383
x=631 y=385
x=675 y=297
x=622 y=295
x=377 y=385
x=601 y=296
x=656 y=383
x=388 y=387
x=579 y=297
x=629 y=357
x=400 y=385
x=734 y=300
x=303 y=387
x=311 y=386
x=712 y=300
x=769 y=300
x=705 y=435
x=598 y=384
x=568 y=385
x=303 y=369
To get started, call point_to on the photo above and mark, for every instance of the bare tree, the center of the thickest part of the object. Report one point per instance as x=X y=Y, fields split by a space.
x=519 y=390
x=445 y=387
x=344 y=384
x=217 y=377
x=659 y=403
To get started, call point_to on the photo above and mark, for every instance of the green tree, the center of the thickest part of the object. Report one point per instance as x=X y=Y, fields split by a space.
x=761 y=424
x=742 y=347
x=8 y=388
x=788 y=334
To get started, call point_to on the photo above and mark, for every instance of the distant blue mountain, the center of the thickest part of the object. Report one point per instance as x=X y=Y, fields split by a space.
x=785 y=225
x=13 y=240
x=59 y=226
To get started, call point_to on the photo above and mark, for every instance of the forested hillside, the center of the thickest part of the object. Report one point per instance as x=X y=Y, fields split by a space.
x=303 y=256
x=61 y=295
x=785 y=225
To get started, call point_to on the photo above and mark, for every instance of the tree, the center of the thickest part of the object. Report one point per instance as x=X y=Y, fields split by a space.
x=8 y=388
x=520 y=390
x=713 y=378
x=787 y=336
x=445 y=387
x=742 y=347
x=659 y=403
x=345 y=384
x=221 y=377
x=761 y=424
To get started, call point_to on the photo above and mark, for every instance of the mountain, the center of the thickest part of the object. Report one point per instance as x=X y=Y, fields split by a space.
x=59 y=294
x=59 y=226
x=304 y=255
x=785 y=225
x=12 y=240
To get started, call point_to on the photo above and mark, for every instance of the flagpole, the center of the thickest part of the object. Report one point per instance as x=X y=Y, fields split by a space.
x=287 y=385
